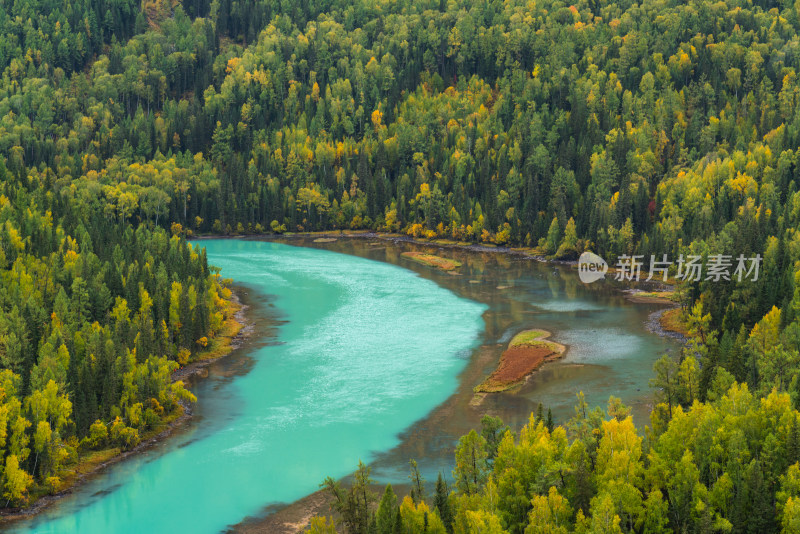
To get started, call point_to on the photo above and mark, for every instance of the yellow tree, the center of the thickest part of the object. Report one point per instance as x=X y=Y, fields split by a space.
x=15 y=482
x=549 y=514
x=619 y=468
x=420 y=518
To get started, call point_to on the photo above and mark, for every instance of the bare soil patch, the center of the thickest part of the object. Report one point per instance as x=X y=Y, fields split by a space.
x=526 y=352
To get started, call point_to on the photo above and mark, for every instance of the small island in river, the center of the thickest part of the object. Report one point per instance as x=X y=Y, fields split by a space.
x=526 y=352
x=431 y=260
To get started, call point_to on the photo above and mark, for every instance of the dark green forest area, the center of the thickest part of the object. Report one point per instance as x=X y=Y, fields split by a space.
x=659 y=127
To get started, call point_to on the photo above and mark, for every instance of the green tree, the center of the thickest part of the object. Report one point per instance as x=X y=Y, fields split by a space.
x=441 y=503
x=387 y=510
x=417 y=483
x=492 y=430
x=471 y=463
x=665 y=383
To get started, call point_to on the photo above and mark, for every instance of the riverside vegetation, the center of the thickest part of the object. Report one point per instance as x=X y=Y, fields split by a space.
x=658 y=127
x=727 y=465
x=94 y=318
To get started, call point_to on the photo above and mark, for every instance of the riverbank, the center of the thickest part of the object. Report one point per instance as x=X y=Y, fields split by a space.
x=294 y=518
x=665 y=323
x=290 y=518
x=331 y=236
x=236 y=328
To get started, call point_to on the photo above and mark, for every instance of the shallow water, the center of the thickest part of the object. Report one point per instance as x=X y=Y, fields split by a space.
x=375 y=363
x=367 y=349
x=610 y=351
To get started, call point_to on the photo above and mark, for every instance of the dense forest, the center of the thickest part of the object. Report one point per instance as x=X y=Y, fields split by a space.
x=95 y=312
x=659 y=127
x=729 y=465
x=95 y=315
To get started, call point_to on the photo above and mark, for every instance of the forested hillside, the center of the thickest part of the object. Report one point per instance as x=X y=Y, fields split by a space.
x=662 y=127
x=730 y=465
x=657 y=128
x=95 y=312
x=94 y=318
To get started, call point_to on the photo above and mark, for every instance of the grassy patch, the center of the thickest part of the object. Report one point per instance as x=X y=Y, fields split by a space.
x=527 y=337
x=87 y=463
x=430 y=260
x=535 y=338
x=671 y=296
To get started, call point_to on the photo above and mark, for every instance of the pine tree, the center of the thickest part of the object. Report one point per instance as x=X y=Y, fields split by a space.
x=492 y=429
x=398 y=523
x=471 y=466
x=761 y=516
x=417 y=483
x=387 y=510
x=441 y=503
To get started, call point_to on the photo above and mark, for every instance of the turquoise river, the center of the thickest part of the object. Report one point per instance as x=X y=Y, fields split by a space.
x=367 y=348
x=353 y=358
